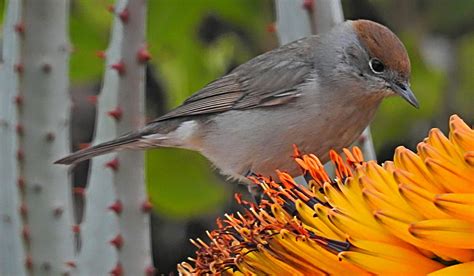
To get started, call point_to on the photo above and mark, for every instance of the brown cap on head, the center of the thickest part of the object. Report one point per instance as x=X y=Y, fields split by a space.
x=383 y=44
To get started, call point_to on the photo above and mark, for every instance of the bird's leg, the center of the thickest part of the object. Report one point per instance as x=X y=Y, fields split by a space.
x=255 y=190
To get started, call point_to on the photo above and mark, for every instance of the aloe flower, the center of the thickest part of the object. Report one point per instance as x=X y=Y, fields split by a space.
x=414 y=215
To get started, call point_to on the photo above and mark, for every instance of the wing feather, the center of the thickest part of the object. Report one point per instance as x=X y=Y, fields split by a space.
x=270 y=79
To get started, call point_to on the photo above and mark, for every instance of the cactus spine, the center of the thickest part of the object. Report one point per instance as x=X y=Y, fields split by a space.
x=12 y=253
x=115 y=230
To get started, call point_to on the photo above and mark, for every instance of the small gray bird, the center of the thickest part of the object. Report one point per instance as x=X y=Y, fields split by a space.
x=318 y=92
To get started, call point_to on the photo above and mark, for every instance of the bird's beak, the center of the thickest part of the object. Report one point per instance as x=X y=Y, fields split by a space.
x=403 y=89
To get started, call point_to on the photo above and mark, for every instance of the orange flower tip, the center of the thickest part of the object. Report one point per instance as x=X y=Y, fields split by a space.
x=117 y=270
x=116 y=113
x=116 y=207
x=76 y=228
x=296 y=151
x=117 y=241
x=124 y=15
x=113 y=164
x=119 y=67
x=308 y=5
x=100 y=54
x=147 y=206
x=71 y=264
x=143 y=55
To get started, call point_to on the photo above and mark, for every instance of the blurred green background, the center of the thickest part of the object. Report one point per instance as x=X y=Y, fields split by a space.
x=195 y=41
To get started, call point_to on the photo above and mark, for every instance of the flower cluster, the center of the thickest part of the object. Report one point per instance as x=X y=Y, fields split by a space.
x=412 y=215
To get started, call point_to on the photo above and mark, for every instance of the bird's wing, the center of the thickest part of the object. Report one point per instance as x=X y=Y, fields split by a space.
x=267 y=80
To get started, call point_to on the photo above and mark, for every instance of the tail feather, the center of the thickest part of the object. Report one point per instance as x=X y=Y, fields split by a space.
x=121 y=143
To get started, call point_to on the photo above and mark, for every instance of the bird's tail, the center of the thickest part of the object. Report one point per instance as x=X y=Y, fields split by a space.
x=125 y=142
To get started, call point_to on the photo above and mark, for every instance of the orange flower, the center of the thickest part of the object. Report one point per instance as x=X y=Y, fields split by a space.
x=410 y=216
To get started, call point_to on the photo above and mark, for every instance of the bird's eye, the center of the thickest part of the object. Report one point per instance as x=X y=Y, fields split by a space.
x=376 y=66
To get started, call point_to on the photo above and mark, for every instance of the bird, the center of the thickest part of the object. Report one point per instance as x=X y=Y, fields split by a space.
x=318 y=93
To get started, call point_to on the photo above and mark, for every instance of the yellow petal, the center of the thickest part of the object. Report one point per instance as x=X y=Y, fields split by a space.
x=407 y=260
x=461 y=134
x=460 y=206
x=455 y=270
x=445 y=232
x=422 y=201
x=401 y=230
x=406 y=160
x=457 y=179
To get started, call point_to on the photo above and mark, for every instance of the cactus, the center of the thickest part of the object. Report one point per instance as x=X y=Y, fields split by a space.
x=12 y=254
x=115 y=231
x=43 y=135
x=297 y=19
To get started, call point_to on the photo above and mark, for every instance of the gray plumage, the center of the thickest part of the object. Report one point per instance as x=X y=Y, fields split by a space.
x=318 y=92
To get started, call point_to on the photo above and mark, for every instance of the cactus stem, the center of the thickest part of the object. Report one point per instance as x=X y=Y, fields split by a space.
x=20 y=155
x=119 y=67
x=37 y=188
x=146 y=206
x=46 y=68
x=116 y=113
x=50 y=137
x=20 y=27
x=100 y=54
x=308 y=5
x=20 y=130
x=113 y=164
x=76 y=228
x=124 y=15
x=117 y=241
x=116 y=207
x=117 y=270
x=18 y=68
x=57 y=212
x=29 y=263
x=143 y=55
x=46 y=266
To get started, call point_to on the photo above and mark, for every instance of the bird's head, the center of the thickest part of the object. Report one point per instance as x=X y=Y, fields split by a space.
x=380 y=60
